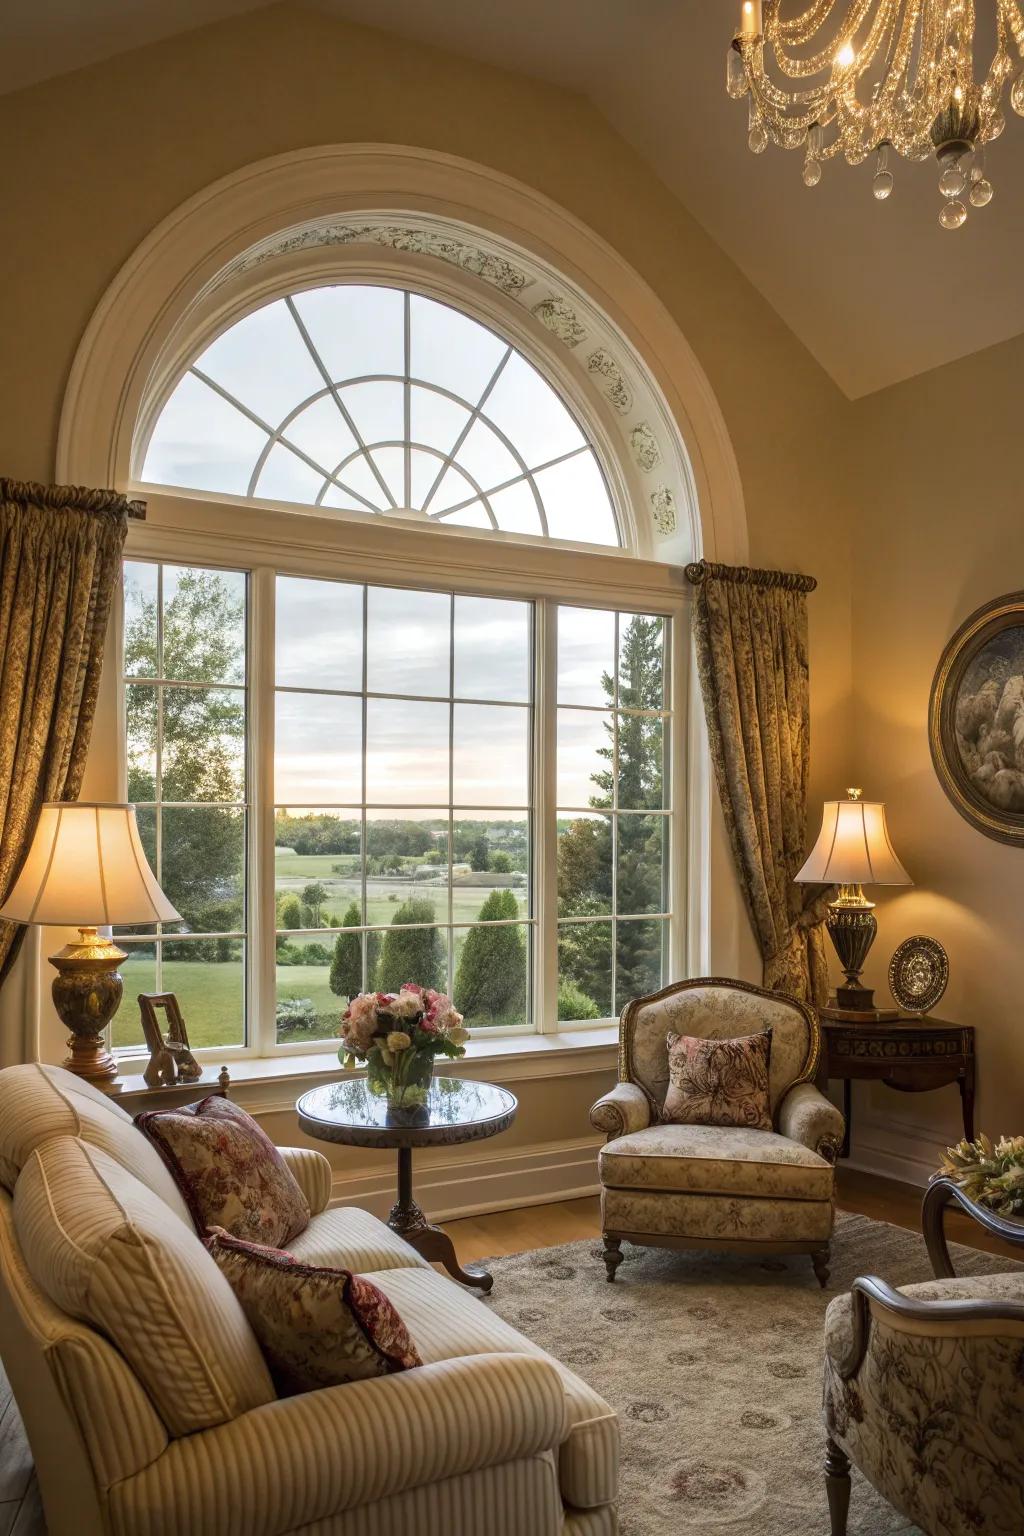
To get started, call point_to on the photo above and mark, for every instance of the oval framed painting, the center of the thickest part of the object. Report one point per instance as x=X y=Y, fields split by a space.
x=976 y=719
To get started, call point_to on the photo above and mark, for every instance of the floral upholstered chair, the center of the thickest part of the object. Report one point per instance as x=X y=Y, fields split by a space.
x=924 y=1390
x=717 y=1187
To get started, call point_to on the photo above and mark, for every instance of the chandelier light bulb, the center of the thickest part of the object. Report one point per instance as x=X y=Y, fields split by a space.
x=982 y=193
x=953 y=215
x=845 y=57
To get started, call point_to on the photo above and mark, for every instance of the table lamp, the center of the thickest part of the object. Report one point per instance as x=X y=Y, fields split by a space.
x=87 y=868
x=853 y=850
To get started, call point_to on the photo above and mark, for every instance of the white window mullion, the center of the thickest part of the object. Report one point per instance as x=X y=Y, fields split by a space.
x=262 y=970
x=545 y=826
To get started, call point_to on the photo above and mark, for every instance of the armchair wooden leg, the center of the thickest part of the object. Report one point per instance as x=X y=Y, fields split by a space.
x=820 y=1259
x=837 y=1486
x=612 y=1255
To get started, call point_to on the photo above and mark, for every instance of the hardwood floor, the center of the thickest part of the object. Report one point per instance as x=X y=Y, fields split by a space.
x=480 y=1237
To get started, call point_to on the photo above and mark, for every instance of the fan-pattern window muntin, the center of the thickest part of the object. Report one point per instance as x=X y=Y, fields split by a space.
x=427 y=411
x=416 y=730
x=186 y=736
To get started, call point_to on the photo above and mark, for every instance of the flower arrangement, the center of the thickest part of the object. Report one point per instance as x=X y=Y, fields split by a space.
x=398 y=1035
x=991 y=1175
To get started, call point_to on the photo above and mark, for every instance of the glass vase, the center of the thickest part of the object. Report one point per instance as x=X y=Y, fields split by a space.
x=405 y=1084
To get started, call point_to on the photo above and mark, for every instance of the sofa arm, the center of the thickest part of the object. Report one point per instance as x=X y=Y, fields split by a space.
x=304 y=1459
x=621 y=1111
x=806 y=1116
x=312 y=1173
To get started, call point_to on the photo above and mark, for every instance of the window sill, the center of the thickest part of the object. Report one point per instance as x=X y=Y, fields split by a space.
x=271 y=1084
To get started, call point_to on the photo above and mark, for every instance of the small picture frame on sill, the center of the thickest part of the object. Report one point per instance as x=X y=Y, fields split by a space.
x=170 y=1058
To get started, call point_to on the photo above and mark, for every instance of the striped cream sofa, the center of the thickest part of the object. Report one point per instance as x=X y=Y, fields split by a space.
x=179 y=1429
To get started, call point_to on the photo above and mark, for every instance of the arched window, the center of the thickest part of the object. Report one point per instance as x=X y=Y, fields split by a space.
x=379 y=400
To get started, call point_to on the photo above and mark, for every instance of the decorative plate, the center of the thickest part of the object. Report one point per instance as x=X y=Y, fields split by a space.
x=918 y=973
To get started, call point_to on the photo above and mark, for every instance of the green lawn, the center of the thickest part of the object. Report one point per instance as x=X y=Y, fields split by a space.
x=294 y=871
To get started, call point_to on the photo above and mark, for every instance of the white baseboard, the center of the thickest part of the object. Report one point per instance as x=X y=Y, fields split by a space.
x=477 y=1181
x=896 y=1149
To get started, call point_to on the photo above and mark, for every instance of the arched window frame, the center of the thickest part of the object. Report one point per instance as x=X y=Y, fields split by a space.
x=152 y=307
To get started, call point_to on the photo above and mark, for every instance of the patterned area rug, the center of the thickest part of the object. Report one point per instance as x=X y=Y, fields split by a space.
x=714 y=1365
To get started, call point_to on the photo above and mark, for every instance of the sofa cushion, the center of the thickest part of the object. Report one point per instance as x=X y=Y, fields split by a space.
x=715 y=1160
x=348 y=1237
x=38 y=1102
x=447 y=1324
x=100 y=1245
x=719 y=1082
x=317 y=1327
x=228 y=1170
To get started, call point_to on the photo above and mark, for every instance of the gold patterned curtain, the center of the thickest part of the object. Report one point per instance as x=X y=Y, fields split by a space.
x=60 y=556
x=751 y=638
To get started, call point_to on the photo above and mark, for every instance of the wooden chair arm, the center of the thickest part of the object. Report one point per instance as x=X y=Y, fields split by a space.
x=869 y=1290
x=943 y=1191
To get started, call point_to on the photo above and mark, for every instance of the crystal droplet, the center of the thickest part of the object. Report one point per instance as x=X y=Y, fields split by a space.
x=952 y=181
x=996 y=124
x=953 y=215
x=982 y=192
x=758 y=139
x=735 y=74
x=812 y=171
x=882 y=185
x=1017 y=95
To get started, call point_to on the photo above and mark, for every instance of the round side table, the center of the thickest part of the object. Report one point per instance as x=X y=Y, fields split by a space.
x=459 y=1109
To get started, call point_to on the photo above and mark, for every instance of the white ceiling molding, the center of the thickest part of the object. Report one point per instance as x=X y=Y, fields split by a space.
x=531 y=266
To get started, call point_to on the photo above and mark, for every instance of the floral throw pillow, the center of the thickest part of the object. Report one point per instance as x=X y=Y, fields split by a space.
x=719 y=1082
x=316 y=1327
x=228 y=1170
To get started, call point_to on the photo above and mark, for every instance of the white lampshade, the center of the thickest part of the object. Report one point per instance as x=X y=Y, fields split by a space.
x=87 y=867
x=853 y=847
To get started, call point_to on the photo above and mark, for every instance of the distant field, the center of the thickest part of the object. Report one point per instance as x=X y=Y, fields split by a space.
x=294 y=871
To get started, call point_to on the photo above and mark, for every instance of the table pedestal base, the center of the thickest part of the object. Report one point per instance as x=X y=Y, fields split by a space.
x=430 y=1242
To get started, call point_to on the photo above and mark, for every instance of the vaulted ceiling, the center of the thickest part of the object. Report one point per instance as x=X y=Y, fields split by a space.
x=877 y=292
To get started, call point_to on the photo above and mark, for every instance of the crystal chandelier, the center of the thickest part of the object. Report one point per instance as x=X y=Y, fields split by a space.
x=881 y=77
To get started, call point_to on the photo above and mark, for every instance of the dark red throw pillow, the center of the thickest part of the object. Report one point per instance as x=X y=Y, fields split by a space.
x=228 y=1170
x=317 y=1327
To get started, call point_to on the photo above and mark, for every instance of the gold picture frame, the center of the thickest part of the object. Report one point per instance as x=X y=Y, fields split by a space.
x=977 y=700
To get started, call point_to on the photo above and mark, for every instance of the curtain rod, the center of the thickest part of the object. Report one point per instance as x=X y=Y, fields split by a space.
x=747 y=576
x=77 y=498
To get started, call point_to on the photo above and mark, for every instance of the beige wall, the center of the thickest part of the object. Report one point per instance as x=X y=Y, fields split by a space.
x=95 y=160
x=939 y=531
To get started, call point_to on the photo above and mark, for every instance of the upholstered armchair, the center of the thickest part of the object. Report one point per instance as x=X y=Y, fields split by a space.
x=924 y=1391
x=701 y=1186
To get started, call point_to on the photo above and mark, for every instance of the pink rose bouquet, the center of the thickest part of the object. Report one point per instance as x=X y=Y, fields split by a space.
x=398 y=1035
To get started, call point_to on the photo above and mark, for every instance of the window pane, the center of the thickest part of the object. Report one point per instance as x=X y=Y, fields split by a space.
x=203 y=625
x=584 y=971
x=406 y=860
x=491 y=870
x=638 y=959
x=485 y=457
x=584 y=865
x=378 y=411
x=356 y=329
x=238 y=362
x=516 y=509
x=436 y=420
x=452 y=491
x=576 y=501
x=139 y=975
x=407 y=753
x=473 y=516
x=408 y=642
x=203 y=744
x=528 y=411
x=586 y=656
x=642 y=865
x=492 y=649
x=208 y=978
x=321 y=431
x=406 y=952
x=318 y=750
x=452 y=350
x=309 y=972
x=202 y=866
x=391 y=464
x=641 y=782
x=140 y=613
x=201 y=440
x=318 y=869
x=492 y=755
x=492 y=974
x=141 y=724
x=584 y=758
x=641 y=661
x=286 y=477
x=319 y=634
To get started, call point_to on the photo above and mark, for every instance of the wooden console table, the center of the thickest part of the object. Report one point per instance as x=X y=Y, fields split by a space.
x=911 y=1053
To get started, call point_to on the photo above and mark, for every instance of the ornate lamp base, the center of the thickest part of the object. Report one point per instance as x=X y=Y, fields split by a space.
x=852 y=927
x=86 y=993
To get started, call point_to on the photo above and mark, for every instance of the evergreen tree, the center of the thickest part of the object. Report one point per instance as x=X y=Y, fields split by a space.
x=346 y=975
x=479 y=855
x=313 y=897
x=411 y=953
x=490 y=984
x=291 y=913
